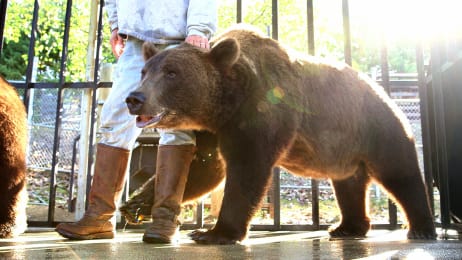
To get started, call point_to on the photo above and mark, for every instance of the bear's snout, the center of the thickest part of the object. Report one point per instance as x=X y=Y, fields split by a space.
x=135 y=101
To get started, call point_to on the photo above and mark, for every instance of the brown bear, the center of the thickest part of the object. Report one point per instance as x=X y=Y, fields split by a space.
x=13 y=141
x=269 y=107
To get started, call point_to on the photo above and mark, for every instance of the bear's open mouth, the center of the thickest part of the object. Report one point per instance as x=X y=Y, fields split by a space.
x=143 y=121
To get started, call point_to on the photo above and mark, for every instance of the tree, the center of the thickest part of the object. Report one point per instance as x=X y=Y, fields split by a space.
x=292 y=32
x=49 y=40
x=12 y=61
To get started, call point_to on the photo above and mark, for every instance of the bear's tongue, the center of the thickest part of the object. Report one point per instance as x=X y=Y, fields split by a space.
x=147 y=120
x=143 y=120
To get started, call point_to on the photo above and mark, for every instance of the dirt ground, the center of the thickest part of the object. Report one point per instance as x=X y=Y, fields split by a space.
x=40 y=213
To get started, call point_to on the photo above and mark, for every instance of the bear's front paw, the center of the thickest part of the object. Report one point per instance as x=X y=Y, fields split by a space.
x=349 y=231
x=425 y=234
x=211 y=237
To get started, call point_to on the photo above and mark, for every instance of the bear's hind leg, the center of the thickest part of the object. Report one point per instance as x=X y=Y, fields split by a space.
x=401 y=177
x=398 y=172
x=351 y=198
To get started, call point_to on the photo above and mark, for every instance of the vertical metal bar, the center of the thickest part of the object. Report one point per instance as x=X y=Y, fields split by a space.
x=385 y=75
x=311 y=51
x=440 y=130
x=310 y=25
x=94 y=103
x=87 y=112
x=392 y=210
x=315 y=203
x=59 y=106
x=200 y=214
x=392 y=214
x=31 y=54
x=70 y=206
x=346 y=31
x=239 y=11
x=277 y=197
x=3 y=7
x=274 y=21
x=276 y=172
x=425 y=125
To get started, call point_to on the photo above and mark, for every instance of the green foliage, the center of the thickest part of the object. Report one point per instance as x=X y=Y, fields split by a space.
x=402 y=58
x=292 y=20
x=49 y=40
x=13 y=62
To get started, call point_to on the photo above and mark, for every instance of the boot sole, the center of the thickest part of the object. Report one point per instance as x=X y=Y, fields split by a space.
x=156 y=239
x=69 y=235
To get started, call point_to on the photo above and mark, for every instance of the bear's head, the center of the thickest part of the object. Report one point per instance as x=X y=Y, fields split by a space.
x=181 y=88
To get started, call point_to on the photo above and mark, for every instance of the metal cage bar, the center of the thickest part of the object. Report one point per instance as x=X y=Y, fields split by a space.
x=424 y=120
x=31 y=54
x=3 y=6
x=58 y=121
x=346 y=31
x=94 y=103
x=440 y=134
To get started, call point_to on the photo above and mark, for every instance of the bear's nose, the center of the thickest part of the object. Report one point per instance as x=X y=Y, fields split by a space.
x=135 y=101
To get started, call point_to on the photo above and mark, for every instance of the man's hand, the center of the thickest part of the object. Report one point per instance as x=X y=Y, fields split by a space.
x=198 y=41
x=117 y=43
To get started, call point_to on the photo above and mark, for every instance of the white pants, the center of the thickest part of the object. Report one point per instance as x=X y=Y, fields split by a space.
x=118 y=127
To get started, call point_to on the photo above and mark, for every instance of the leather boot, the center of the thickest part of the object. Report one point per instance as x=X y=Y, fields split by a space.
x=172 y=171
x=98 y=221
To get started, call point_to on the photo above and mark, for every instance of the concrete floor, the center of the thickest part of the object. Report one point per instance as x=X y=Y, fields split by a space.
x=380 y=244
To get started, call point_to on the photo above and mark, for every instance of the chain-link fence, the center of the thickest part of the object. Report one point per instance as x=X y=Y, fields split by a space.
x=42 y=120
x=411 y=108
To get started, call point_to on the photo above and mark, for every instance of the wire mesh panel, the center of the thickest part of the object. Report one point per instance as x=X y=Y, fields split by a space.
x=41 y=120
x=42 y=123
x=411 y=108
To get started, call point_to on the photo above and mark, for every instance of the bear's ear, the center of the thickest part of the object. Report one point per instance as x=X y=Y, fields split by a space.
x=149 y=50
x=225 y=53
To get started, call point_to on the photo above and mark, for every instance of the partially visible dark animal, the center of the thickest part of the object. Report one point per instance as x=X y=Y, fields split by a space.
x=13 y=138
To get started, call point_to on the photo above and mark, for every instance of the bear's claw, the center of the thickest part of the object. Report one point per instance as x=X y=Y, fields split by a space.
x=349 y=231
x=422 y=234
x=211 y=237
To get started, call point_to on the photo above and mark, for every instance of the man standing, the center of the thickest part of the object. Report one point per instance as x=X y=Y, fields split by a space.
x=166 y=23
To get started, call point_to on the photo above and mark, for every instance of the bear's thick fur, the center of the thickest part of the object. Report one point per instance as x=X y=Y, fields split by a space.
x=271 y=108
x=13 y=138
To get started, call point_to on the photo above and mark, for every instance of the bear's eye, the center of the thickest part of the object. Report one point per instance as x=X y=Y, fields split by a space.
x=171 y=74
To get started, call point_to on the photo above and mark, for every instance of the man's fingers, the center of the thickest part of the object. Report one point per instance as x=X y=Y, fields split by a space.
x=198 y=41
